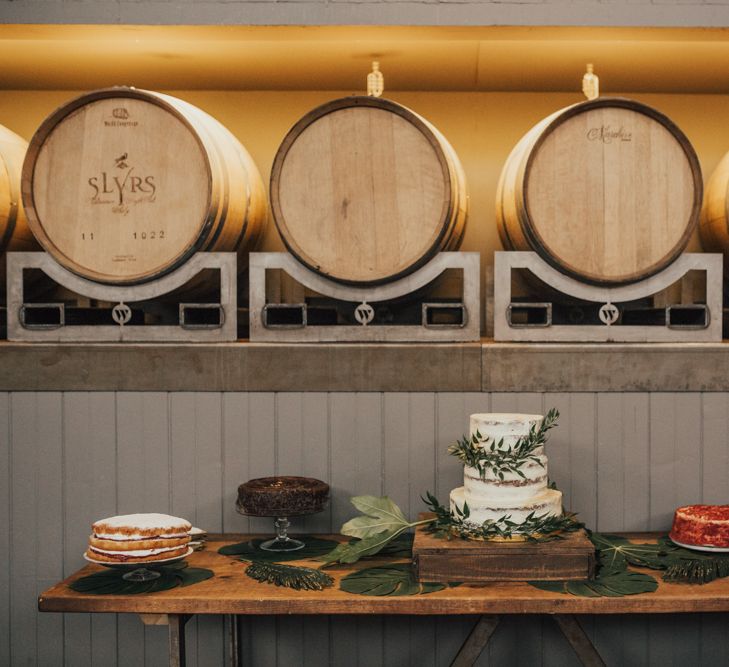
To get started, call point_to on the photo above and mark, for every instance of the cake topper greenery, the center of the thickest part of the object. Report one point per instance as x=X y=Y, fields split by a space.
x=484 y=453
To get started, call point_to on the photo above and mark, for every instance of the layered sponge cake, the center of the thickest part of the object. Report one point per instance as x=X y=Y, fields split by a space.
x=139 y=538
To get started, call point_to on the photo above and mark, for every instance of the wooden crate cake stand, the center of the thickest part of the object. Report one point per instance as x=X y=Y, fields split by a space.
x=474 y=561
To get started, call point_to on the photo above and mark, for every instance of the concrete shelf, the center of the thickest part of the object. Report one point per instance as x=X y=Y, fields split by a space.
x=444 y=367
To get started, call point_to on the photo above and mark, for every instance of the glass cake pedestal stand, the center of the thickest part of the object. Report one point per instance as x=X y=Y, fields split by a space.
x=281 y=498
x=139 y=571
x=282 y=542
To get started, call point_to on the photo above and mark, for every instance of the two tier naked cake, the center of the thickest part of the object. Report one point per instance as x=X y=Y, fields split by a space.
x=505 y=474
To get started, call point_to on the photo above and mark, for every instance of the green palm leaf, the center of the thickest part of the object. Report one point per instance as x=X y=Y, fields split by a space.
x=395 y=579
x=289 y=576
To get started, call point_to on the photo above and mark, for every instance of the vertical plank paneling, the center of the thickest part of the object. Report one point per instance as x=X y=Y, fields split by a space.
x=196 y=455
x=452 y=422
x=89 y=436
x=675 y=473
x=675 y=462
x=143 y=452
x=22 y=635
x=420 y=474
x=396 y=452
x=301 y=436
x=250 y=452
x=715 y=450
x=715 y=472
x=143 y=485
x=396 y=455
x=516 y=636
x=49 y=523
x=356 y=463
x=558 y=450
x=623 y=461
x=7 y=612
x=422 y=453
x=623 y=504
x=302 y=446
x=356 y=450
x=555 y=650
x=583 y=457
x=635 y=411
x=236 y=446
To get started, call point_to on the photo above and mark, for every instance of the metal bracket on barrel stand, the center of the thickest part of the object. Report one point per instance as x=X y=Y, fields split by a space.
x=695 y=322
x=449 y=321
x=198 y=322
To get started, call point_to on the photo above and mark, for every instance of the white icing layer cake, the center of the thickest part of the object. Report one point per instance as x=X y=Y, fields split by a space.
x=138 y=537
x=492 y=495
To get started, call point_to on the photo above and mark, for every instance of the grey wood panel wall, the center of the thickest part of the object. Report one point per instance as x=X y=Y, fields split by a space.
x=624 y=461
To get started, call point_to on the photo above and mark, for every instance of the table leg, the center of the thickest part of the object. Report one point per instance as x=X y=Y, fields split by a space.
x=234 y=659
x=579 y=641
x=177 y=639
x=476 y=641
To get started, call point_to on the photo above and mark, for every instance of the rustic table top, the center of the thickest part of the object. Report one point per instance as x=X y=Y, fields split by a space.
x=230 y=591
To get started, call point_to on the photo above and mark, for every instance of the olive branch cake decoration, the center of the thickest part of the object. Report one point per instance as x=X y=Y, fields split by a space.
x=484 y=453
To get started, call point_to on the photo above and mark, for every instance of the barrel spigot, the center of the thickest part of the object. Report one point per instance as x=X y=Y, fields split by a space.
x=375 y=81
x=590 y=84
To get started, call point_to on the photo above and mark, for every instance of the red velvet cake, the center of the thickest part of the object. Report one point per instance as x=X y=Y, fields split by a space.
x=701 y=526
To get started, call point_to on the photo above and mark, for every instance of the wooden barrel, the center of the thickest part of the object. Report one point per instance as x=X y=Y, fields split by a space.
x=607 y=191
x=123 y=185
x=14 y=232
x=714 y=220
x=365 y=191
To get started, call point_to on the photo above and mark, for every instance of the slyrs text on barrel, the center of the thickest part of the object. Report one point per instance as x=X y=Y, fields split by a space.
x=365 y=191
x=123 y=185
x=607 y=191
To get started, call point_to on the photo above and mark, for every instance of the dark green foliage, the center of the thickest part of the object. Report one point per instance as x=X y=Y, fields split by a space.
x=616 y=553
x=535 y=528
x=615 y=583
x=395 y=579
x=489 y=455
x=110 y=582
x=289 y=576
x=315 y=547
x=679 y=564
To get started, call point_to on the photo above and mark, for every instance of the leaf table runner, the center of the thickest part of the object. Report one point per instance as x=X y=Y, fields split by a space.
x=110 y=581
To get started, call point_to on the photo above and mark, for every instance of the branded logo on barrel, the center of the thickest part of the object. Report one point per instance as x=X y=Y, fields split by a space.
x=122 y=186
x=120 y=117
x=608 y=135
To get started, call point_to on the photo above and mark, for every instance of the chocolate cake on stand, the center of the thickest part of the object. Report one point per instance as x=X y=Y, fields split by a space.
x=281 y=498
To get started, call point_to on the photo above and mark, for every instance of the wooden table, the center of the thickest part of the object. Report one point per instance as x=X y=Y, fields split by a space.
x=232 y=593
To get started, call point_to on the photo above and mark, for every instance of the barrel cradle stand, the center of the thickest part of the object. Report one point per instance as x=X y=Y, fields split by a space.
x=696 y=322
x=443 y=321
x=198 y=322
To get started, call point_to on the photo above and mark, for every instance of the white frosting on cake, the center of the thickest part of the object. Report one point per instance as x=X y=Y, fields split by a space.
x=512 y=487
x=105 y=528
x=516 y=496
x=137 y=553
x=547 y=502
x=498 y=425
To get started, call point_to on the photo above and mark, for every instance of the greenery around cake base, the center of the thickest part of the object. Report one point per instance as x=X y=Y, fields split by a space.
x=382 y=521
x=535 y=528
